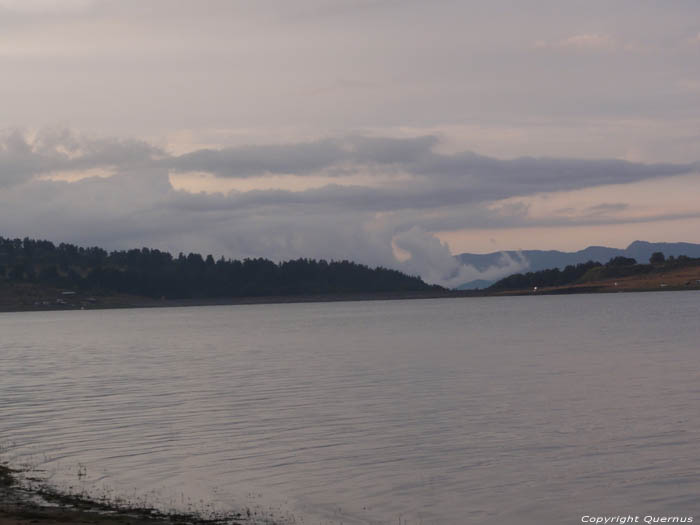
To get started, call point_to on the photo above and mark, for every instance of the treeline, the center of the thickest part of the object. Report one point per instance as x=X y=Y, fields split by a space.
x=155 y=273
x=616 y=267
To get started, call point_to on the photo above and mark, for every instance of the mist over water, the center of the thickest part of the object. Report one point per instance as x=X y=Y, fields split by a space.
x=489 y=410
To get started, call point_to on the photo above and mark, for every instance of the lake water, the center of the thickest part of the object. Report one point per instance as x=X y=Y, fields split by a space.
x=455 y=411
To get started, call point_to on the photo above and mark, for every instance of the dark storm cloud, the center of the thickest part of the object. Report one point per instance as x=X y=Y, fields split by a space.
x=330 y=197
x=482 y=177
x=440 y=179
x=250 y=161
x=303 y=158
x=528 y=174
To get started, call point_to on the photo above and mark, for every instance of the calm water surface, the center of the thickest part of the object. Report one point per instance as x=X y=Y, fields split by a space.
x=497 y=410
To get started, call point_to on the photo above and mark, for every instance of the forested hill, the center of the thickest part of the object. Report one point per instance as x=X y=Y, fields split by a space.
x=592 y=271
x=154 y=273
x=537 y=260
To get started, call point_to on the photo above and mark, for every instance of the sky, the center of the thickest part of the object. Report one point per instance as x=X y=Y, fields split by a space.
x=389 y=132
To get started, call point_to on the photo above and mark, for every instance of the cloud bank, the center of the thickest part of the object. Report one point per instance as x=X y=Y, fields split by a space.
x=390 y=224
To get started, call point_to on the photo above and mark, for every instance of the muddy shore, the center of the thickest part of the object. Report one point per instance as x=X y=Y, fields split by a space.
x=23 y=506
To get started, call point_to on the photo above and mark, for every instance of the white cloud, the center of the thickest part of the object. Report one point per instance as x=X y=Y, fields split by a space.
x=429 y=257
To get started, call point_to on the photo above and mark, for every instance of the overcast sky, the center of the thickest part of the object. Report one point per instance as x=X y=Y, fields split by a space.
x=392 y=132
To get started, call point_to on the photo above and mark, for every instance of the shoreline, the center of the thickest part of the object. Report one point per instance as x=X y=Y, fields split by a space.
x=22 y=505
x=9 y=304
x=56 y=300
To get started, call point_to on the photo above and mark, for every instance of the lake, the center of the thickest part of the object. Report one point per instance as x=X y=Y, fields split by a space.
x=451 y=411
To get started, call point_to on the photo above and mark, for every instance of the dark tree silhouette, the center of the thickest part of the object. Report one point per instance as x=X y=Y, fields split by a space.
x=615 y=267
x=657 y=258
x=155 y=273
x=552 y=277
x=621 y=261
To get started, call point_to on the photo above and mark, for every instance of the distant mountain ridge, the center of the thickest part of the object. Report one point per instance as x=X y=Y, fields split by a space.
x=544 y=259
